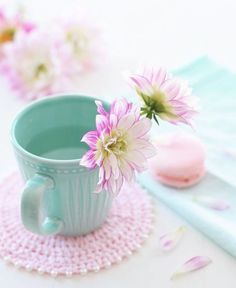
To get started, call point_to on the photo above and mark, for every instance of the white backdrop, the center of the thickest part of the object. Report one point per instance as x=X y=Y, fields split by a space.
x=157 y=32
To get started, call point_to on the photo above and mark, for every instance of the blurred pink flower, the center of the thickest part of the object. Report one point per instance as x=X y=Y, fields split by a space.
x=164 y=96
x=33 y=66
x=120 y=145
x=81 y=43
x=10 y=26
x=40 y=63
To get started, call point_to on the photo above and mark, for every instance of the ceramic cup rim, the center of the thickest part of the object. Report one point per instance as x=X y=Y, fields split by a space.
x=25 y=109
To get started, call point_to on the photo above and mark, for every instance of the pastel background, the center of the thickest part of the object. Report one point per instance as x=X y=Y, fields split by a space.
x=170 y=33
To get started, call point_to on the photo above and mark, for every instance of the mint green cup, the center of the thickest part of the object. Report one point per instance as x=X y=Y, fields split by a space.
x=58 y=196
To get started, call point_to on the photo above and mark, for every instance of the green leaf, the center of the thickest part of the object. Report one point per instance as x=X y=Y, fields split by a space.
x=149 y=115
x=155 y=118
x=145 y=98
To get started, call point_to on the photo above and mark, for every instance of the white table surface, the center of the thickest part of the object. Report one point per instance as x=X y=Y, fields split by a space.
x=166 y=32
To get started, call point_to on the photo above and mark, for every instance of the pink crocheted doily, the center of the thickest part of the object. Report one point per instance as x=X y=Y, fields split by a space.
x=125 y=229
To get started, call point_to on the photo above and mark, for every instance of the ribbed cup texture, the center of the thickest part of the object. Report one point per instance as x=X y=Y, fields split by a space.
x=73 y=200
x=82 y=210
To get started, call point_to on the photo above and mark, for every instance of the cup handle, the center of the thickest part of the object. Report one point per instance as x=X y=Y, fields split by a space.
x=32 y=213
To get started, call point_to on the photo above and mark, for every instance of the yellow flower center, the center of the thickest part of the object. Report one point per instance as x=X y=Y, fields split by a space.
x=78 y=40
x=115 y=143
x=7 y=35
x=40 y=69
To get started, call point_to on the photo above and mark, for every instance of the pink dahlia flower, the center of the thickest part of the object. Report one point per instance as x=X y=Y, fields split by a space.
x=81 y=43
x=120 y=145
x=33 y=66
x=164 y=96
x=10 y=26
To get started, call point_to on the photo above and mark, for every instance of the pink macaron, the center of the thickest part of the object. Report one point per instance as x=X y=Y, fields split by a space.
x=180 y=160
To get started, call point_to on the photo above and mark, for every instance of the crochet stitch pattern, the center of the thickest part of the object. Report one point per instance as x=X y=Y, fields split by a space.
x=126 y=228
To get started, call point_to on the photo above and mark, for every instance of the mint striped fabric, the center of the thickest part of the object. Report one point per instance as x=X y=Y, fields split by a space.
x=216 y=126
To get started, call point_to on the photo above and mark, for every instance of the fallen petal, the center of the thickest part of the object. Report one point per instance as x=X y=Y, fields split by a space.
x=170 y=240
x=193 y=264
x=212 y=202
x=230 y=152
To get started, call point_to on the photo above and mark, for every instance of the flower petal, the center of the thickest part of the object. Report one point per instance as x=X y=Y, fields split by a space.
x=141 y=128
x=119 y=184
x=193 y=264
x=111 y=185
x=119 y=107
x=159 y=77
x=98 y=189
x=126 y=170
x=136 y=159
x=148 y=150
x=114 y=165
x=170 y=240
x=212 y=202
x=171 y=88
x=90 y=138
x=107 y=168
x=230 y=152
x=148 y=72
x=141 y=83
x=101 y=175
x=99 y=158
x=101 y=123
x=126 y=122
x=113 y=121
x=100 y=108
x=88 y=159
